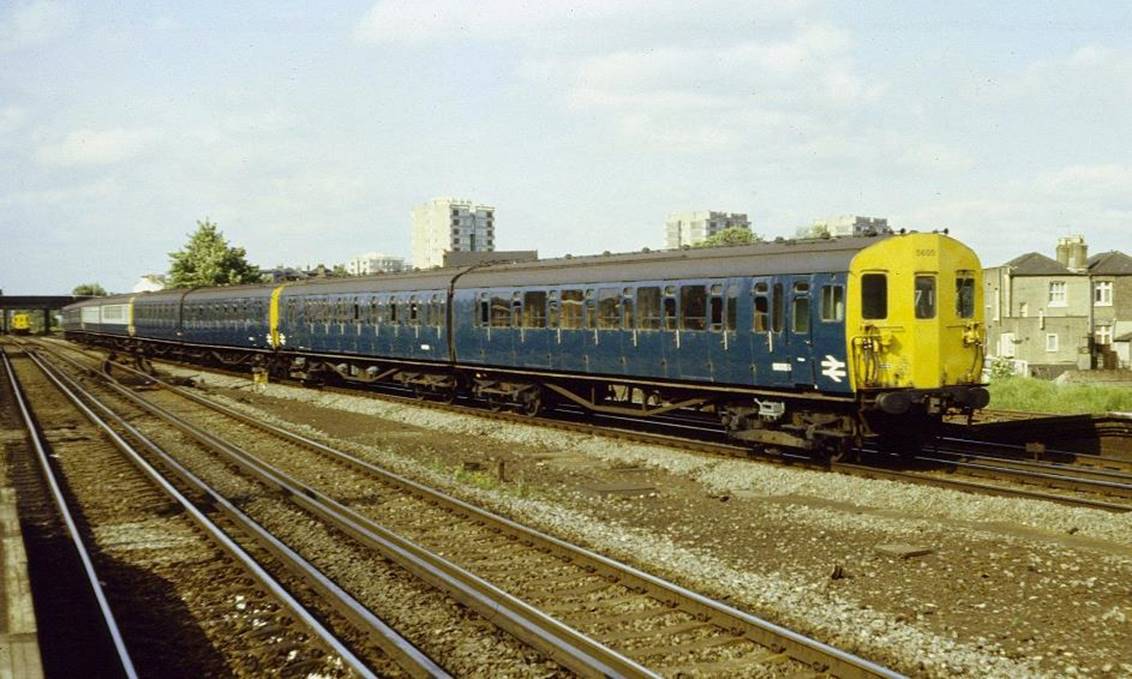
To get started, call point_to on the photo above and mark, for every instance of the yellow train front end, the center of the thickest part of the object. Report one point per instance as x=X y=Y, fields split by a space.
x=915 y=332
x=21 y=324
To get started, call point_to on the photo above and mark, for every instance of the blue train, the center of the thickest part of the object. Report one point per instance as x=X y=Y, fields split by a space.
x=811 y=344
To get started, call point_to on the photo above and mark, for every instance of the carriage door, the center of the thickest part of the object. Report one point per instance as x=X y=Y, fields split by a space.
x=801 y=332
x=770 y=356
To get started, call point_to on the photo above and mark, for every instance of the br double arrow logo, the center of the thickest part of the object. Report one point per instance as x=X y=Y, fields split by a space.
x=833 y=368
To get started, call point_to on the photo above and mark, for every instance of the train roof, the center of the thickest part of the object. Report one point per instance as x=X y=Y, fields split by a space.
x=768 y=258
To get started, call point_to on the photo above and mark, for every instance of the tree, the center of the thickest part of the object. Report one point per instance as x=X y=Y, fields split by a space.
x=92 y=289
x=208 y=260
x=735 y=235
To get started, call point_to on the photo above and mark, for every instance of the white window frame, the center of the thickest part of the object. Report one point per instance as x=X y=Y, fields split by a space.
x=1102 y=293
x=1058 y=294
x=1052 y=342
x=1103 y=334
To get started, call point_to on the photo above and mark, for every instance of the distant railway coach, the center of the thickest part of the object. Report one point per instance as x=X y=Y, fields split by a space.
x=806 y=344
x=21 y=323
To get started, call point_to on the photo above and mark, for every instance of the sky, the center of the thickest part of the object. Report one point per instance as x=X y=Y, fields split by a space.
x=308 y=131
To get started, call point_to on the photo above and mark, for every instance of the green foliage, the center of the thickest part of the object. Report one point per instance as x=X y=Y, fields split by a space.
x=735 y=235
x=93 y=289
x=1001 y=368
x=1041 y=396
x=207 y=260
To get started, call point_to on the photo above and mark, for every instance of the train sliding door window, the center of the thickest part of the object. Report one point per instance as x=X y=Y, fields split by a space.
x=670 y=319
x=553 y=310
x=572 y=304
x=483 y=318
x=761 y=320
x=609 y=316
x=874 y=296
x=925 y=295
x=800 y=313
x=534 y=309
x=516 y=310
x=648 y=308
x=627 y=309
x=715 y=308
x=693 y=307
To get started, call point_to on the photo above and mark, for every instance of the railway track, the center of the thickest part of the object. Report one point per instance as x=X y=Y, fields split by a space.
x=221 y=586
x=590 y=613
x=701 y=435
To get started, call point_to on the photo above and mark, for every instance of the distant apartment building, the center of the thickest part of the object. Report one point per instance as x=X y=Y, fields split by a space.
x=1051 y=315
x=846 y=225
x=450 y=225
x=374 y=262
x=690 y=228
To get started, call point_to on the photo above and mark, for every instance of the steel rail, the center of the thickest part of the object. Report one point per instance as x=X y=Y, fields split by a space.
x=712 y=448
x=1061 y=480
x=796 y=645
x=69 y=521
x=1082 y=471
x=72 y=391
x=554 y=639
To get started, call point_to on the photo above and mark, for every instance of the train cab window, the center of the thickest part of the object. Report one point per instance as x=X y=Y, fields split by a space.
x=693 y=303
x=609 y=316
x=965 y=295
x=778 y=309
x=874 y=296
x=500 y=312
x=534 y=309
x=648 y=308
x=925 y=296
x=572 y=301
x=801 y=315
x=832 y=303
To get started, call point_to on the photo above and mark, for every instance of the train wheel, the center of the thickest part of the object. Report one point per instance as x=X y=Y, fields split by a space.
x=532 y=403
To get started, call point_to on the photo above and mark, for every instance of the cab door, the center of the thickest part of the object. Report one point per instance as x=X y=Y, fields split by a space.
x=770 y=359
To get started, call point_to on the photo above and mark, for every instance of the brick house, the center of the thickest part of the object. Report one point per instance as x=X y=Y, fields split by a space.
x=1053 y=315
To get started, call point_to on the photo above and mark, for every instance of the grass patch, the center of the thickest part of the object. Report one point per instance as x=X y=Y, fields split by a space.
x=1040 y=396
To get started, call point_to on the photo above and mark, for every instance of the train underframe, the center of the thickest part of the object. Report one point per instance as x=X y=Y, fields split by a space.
x=826 y=427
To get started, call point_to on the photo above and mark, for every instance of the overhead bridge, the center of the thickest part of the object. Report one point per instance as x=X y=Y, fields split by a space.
x=32 y=303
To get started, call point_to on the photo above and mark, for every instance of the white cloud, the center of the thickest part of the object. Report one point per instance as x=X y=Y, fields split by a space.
x=34 y=23
x=1108 y=183
x=11 y=119
x=96 y=147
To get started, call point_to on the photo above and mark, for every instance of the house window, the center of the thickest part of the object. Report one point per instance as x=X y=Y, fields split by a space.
x=1102 y=293
x=1051 y=341
x=1006 y=345
x=1104 y=334
x=1057 y=293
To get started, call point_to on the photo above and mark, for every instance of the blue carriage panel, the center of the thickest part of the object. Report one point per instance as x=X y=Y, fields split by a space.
x=647 y=339
x=729 y=355
x=831 y=367
x=572 y=339
x=465 y=322
x=532 y=346
x=770 y=355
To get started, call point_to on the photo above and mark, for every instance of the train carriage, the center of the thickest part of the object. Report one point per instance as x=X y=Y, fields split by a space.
x=808 y=344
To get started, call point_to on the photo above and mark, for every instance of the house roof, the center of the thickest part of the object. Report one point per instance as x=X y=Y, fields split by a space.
x=1036 y=264
x=1111 y=263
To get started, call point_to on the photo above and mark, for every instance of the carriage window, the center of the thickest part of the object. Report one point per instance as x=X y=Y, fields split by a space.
x=965 y=295
x=801 y=320
x=609 y=316
x=627 y=311
x=925 y=296
x=778 y=308
x=669 y=313
x=648 y=308
x=832 y=303
x=572 y=309
x=500 y=312
x=534 y=309
x=357 y=310
x=439 y=310
x=553 y=314
x=485 y=310
x=693 y=302
x=414 y=311
x=517 y=310
x=762 y=313
x=732 y=307
x=393 y=310
x=590 y=310
x=874 y=296
x=716 y=308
